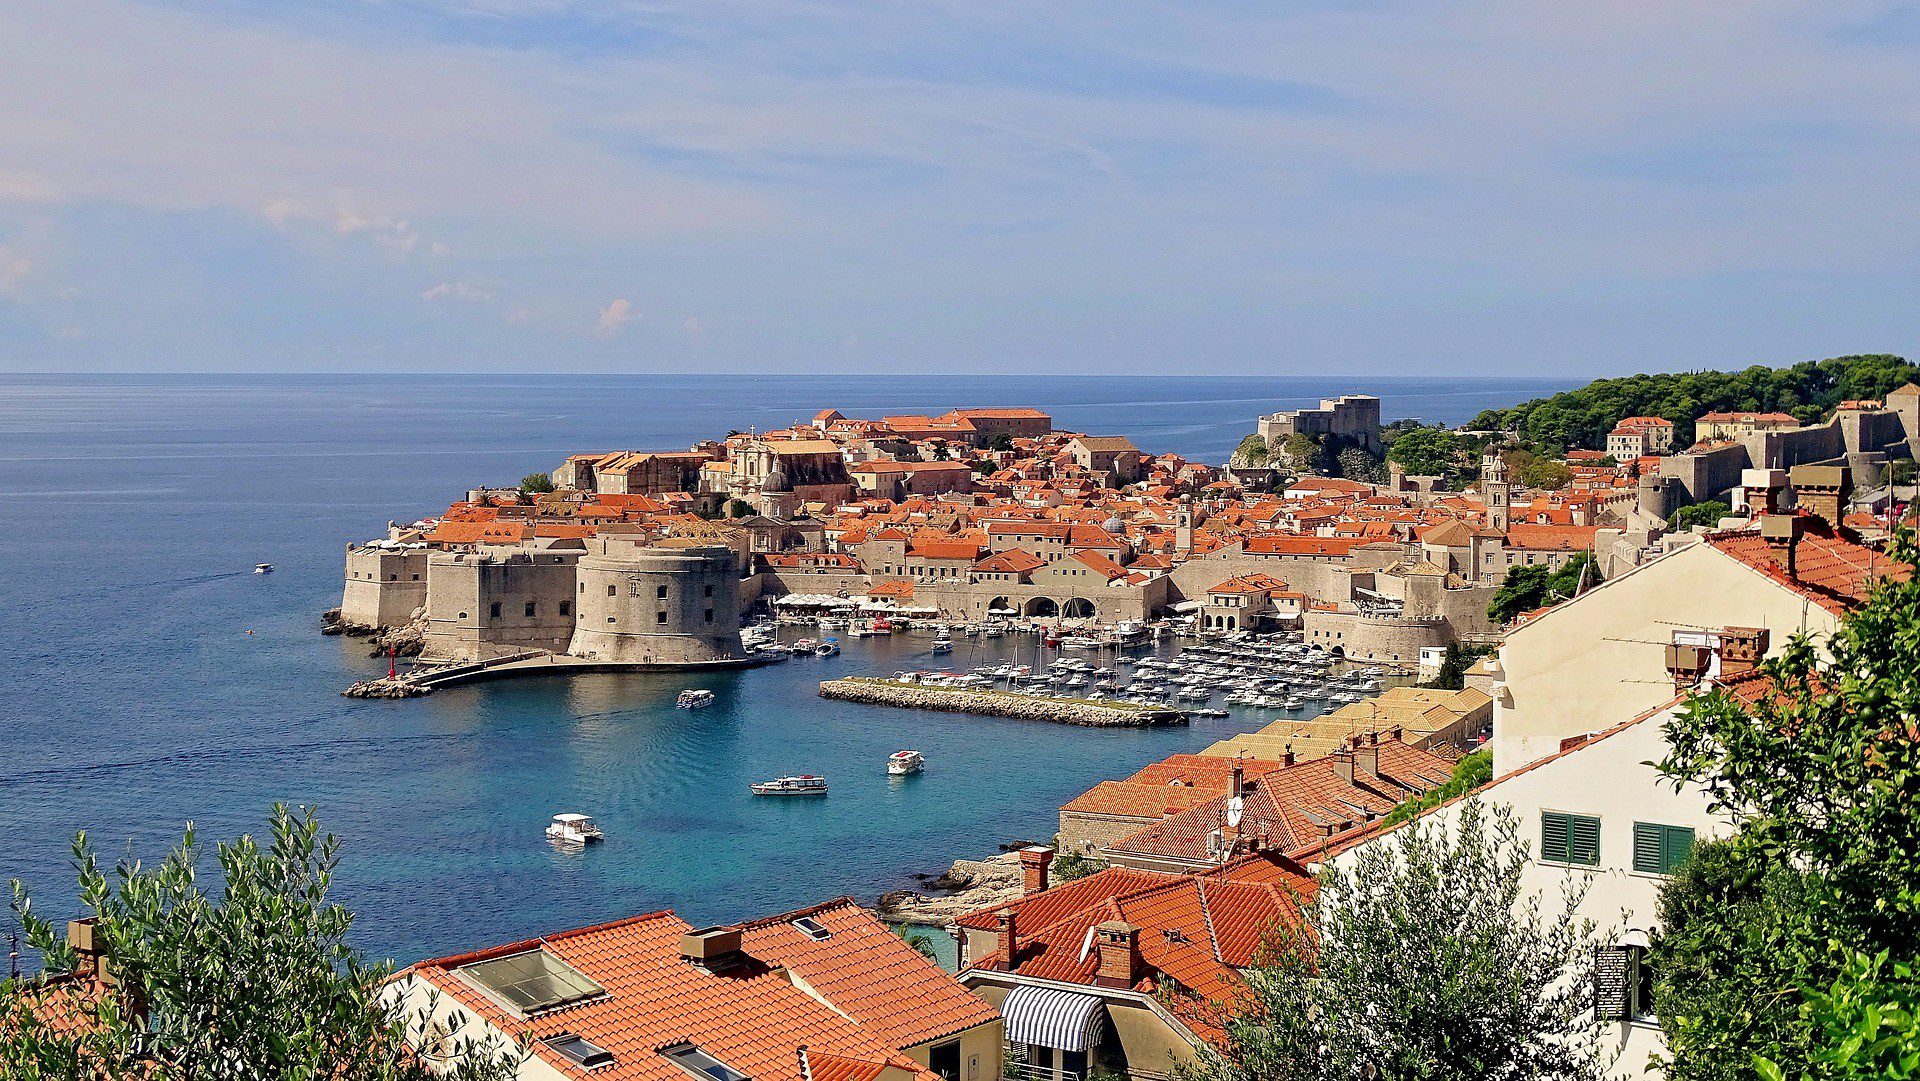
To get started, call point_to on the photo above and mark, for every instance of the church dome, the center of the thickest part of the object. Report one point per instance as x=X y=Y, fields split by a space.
x=776 y=481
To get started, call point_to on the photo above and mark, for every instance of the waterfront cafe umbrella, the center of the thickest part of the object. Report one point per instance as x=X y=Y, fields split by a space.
x=1189 y=606
x=1002 y=612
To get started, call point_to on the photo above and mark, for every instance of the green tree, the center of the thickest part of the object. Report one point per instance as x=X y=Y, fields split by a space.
x=1708 y=513
x=1303 y=452
x=1420 y=960
x=1541 y=472
x=1453 y=669
x=1809 y=391
x=1824 y=774
x=1252 y=451
x=1426 y=452
x=739 y=508
x=1000 y=443
x=1532 y=586
x=254 y=982
x=534 y=483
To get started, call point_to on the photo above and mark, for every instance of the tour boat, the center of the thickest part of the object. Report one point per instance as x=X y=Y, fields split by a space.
x=262 y=568
x=826 y=649
x=694 y=699
x=1079 y=641
x=573 y=829
x=943 y=642
x=901 y=763
x=804 y=785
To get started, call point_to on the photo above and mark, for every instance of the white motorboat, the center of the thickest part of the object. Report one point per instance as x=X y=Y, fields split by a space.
x=826 y=649
x=806 y=784
x=263 y=568
x=573 y=829
x=942 y=643
x=902 y=763
x=694 y=699
x=1079 y=641
x=992 y=630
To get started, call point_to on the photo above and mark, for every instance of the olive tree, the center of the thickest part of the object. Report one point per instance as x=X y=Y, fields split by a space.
x=1422 y=957
x=255 y=980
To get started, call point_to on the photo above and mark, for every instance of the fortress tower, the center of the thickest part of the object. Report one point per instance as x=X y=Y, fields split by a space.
x=657 y=604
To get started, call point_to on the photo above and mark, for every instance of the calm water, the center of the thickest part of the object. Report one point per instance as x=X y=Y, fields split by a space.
x=157 y=680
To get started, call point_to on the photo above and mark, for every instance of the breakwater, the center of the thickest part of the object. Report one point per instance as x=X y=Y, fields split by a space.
x=886 y=692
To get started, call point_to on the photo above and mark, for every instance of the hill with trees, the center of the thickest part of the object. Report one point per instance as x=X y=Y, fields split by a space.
x=1809 y=391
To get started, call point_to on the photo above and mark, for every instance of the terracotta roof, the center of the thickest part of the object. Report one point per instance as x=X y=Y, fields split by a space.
x=869 y=973
x=1830 y=570
x=752 y=1017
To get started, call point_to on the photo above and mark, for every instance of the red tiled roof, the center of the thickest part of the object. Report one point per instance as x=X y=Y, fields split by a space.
x=1830 y=570
x=753 y=1018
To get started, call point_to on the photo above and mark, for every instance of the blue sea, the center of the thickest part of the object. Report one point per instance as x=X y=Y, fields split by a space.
x=157 y=680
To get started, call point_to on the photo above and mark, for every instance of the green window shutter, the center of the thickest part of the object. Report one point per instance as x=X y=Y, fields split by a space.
x=1583 y=840
x=1678 y=847
x=1553 y=837
x=1649 y=848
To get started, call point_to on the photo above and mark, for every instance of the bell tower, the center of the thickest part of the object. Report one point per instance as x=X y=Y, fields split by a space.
x=1496 y=491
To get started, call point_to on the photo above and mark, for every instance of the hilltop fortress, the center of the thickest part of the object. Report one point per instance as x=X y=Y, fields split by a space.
x=650 y=558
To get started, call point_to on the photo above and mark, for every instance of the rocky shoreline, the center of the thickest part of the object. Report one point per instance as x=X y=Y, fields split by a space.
x=407 y=641
x=875 y=692
x=967 y=886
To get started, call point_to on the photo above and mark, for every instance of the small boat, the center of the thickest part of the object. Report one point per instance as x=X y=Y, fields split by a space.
x=826 y=649
x=942 y=643
x=805 y=784
x=993 y=630
x=263 y=568
x=573 y=829
x=694 y=699
x=902 y=763
x=1079 y=641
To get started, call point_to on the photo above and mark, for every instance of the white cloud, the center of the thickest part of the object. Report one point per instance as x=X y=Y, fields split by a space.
x=615 y=317
x=456 y=291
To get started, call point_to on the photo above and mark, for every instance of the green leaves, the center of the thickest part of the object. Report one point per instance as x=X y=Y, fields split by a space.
x=1423 y=958
x=254 y=981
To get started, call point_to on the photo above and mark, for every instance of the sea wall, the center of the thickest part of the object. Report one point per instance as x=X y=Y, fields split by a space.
x=874 y=692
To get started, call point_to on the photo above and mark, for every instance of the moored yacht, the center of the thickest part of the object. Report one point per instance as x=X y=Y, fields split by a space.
x=806 y=784
x=575 y=829
x=902 y=763
x=694 y=698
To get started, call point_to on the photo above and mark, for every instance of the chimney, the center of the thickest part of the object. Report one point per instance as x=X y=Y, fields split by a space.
x=711 y=948
x=1009 y=939
x=1343 y=764
x=89 y=952
x=1238 y=783
x=1034 y=862
x=1287 y=758
x=1741 y=649
x=1687 y=665
x=1782 y=533
x=1119 y=945
x=1394 y=734
x=1366 y=760
x=1824 y=490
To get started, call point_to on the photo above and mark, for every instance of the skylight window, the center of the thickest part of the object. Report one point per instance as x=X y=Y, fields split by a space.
x=532 y=981
x=582 y=1051
x=700 y=1064
x=813 y=928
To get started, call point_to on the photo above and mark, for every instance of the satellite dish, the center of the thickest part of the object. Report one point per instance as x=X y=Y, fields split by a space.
x=1235 y=808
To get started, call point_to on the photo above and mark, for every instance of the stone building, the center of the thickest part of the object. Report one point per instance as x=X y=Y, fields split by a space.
x=656 y=604
x=1353 y=418
x=497 y=601
x=386 y=584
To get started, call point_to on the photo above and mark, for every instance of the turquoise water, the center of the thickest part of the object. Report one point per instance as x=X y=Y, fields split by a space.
x=157 y=680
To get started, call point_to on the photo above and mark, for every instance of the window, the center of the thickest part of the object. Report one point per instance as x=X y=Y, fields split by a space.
x=610 y=590
x=660 y=618
x=589 y=1055
x=660 y=593
x=944 y=1059
x=1660 y=850
x=709 y=591
x=493 y=610
x=529 y=609
x=566 y=608
x=532 y=981
x=1623 y=984
x=813 y=928
x=700 y=1064
x=709 y=615
x=1569 y=838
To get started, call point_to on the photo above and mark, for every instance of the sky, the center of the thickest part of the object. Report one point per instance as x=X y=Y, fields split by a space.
x=931 y=186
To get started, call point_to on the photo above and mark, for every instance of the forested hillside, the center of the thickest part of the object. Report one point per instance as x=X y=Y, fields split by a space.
x=1809 y=391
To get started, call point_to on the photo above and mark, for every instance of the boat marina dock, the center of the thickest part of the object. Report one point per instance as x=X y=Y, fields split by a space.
x=997 y=703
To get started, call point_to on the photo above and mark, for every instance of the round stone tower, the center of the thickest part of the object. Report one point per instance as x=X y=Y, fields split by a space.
x=657 y=605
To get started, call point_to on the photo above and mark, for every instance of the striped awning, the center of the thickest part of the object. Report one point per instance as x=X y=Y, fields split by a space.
x=1050 y=1017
